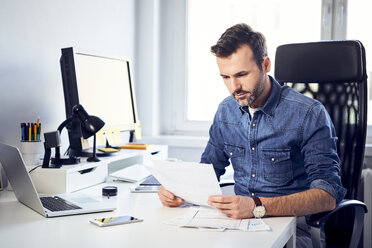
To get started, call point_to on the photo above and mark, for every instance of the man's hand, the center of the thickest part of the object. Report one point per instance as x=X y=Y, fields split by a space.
x=234 y=206
x=168 y=199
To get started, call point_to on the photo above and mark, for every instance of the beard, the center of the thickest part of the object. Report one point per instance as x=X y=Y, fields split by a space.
x=253 y=96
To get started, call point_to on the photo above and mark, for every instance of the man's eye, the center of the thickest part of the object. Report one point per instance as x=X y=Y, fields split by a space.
x=242 y=74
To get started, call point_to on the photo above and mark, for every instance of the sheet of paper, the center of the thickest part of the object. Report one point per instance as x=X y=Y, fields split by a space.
x=258 y=225
x=117 y=137
x=137 y=132
x=194 y=182
x=209 y=218
x=109 y=137
x=132 y=173
x=100 y=138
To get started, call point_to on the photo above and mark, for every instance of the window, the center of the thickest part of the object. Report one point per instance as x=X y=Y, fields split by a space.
x=280 y=21
x=357 y=28
x=198 y=87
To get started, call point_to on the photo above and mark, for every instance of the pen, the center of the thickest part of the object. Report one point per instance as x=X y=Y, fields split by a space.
x=23 y=131
x=38 y=131
x=29 y=132
x=35 y=130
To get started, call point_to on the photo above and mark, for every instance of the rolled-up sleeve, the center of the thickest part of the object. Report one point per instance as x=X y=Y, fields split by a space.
x=319 y=149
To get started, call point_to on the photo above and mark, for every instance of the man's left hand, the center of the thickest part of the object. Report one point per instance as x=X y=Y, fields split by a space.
x=234 y=206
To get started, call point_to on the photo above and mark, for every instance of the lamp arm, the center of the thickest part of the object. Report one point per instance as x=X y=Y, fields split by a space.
x=61 y=126
x=64 y=123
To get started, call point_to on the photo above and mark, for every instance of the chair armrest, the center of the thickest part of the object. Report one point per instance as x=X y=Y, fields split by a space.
x=317 y=220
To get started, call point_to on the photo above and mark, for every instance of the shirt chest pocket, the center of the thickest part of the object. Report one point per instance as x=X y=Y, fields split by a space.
x=235 y=153
x=277 y=165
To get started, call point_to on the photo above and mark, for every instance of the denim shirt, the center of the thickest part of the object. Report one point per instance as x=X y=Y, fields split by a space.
x=288 y=146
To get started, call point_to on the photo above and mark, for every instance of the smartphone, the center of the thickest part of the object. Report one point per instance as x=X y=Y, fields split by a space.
x=110 y=221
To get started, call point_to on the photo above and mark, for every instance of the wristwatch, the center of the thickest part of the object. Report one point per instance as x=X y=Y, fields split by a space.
x=259 y=210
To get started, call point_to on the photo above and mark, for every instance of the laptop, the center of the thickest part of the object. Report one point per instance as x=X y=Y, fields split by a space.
x=148 y=184
x=53 y=205
x=143 y=181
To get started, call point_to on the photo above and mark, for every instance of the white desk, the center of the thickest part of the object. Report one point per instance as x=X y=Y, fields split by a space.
x=70 y=178
x=22 y=227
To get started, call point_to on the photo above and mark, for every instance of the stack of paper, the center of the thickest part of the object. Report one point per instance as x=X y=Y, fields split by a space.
x=213 y=219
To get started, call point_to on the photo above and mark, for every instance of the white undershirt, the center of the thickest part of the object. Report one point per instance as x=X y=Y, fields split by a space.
x=251 y=111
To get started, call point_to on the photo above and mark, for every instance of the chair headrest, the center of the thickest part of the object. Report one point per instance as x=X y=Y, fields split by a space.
x=324 y=61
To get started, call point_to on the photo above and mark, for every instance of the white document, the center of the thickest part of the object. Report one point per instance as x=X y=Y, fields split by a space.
x=132 y=173
x=194 y=182
x=210 y=218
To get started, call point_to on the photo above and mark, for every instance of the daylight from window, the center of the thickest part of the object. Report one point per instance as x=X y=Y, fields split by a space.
x=357 y=29
x=280 y=21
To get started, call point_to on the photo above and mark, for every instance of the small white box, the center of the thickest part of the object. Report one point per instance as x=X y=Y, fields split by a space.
x=69 y=178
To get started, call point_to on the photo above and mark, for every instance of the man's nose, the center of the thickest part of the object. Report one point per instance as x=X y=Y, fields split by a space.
x=235 y=84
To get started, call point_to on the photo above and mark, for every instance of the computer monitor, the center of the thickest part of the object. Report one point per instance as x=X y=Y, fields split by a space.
x=103 y=86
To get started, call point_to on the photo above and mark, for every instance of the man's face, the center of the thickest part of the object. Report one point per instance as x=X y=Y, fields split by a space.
x=243 y=78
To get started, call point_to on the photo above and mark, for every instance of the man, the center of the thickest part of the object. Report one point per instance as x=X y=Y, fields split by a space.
x=281 y=144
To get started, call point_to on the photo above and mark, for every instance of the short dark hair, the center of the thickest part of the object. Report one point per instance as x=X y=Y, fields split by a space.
x=238 y=35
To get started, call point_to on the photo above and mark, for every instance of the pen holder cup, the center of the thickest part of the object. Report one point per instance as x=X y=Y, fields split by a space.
x=32 y=151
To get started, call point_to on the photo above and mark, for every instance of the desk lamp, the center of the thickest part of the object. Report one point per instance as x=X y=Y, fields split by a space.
x=89 y=124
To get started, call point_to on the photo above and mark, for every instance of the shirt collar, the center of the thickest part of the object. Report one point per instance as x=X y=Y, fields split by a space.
x=272 y=101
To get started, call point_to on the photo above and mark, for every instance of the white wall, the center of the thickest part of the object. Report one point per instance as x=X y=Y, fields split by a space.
x=32 y=35
x=160 y=36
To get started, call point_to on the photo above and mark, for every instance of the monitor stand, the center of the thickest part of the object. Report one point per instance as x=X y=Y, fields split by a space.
x=131 y=136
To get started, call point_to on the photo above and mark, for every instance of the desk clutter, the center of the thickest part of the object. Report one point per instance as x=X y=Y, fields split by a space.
x=70 y=178
x=210 y=218
x=31 y=145
x=31 y=131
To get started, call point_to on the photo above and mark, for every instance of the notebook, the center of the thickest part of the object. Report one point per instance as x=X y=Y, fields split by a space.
x=26 y=193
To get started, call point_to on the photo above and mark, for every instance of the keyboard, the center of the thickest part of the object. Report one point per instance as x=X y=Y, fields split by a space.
x=55 y=203
x=150 y=181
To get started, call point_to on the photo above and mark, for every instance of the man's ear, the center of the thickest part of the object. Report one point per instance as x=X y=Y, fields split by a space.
x=266 y=64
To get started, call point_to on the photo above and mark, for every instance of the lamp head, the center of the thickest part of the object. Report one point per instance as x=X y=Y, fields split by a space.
x=90 y=124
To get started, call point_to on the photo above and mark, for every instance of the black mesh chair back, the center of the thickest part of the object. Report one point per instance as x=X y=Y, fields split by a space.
x=333 y=72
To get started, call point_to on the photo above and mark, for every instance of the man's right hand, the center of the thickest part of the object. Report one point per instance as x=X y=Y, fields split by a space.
x=168 y=199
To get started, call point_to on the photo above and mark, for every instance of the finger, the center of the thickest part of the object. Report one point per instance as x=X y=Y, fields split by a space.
x=163 y=192
x=228 y=212
x=171 y=202
x=221 y=199
x=221 y=206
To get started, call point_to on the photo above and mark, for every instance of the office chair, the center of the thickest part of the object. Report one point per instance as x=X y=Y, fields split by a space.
x=334 y=72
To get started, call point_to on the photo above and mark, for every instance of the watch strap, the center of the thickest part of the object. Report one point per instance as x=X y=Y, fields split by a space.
x=257 y=201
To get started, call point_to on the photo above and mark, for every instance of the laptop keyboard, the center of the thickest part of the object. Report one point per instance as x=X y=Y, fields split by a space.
x=55 y=203
x=150 y=180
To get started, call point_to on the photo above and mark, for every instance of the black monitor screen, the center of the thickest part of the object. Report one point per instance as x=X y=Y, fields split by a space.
x=102 y=85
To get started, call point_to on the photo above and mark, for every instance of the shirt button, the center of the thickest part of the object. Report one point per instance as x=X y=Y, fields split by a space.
x=253 y=175
x=252 y=194
x=254 y=124
x=230 y=153
x=273 y=159
x=252 y=148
